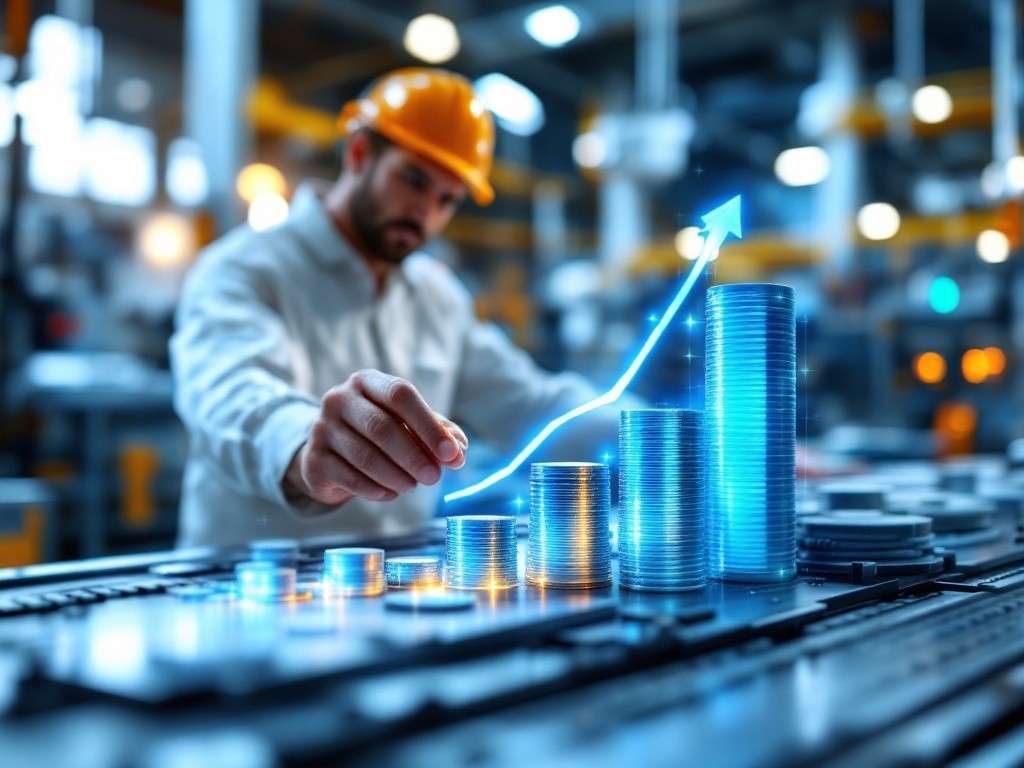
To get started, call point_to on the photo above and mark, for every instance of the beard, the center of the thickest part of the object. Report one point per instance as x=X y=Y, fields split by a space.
x=374 y=229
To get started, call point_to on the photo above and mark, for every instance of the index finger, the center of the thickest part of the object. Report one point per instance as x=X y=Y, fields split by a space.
x=401 y=399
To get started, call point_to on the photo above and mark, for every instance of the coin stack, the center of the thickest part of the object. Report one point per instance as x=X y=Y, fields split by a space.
x=481 y=552
x=750 y=421
x=417 y=572
x=265 y=581
x=354 y=571
x=569 y=546
x=661 y=500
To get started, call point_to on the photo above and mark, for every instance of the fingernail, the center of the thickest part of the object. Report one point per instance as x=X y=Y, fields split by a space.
x=447 y=450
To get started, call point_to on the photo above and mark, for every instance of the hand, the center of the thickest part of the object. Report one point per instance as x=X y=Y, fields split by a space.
x=375 y=437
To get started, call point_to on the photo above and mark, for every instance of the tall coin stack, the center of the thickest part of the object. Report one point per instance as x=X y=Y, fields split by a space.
x=481 y=552
x=569 y=546
x=661 y=500
x=354 y=571
x=750 y=422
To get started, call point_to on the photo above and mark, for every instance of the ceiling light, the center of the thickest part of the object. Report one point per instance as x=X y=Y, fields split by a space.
x=689 y=242
x=260 y=179
x=802 y=166
x=993 y=246
x=516 y=108
x=589 y=150
x=553 y=26
x=932 y=104
x=431 y=38
x=166 y=240
x=1015 y=174
x=878 y=221
x=186 y=181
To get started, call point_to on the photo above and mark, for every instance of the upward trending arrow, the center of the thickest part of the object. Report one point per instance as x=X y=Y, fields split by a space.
x=718 y=224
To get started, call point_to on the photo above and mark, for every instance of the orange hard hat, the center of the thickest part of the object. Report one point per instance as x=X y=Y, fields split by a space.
x=434 y=113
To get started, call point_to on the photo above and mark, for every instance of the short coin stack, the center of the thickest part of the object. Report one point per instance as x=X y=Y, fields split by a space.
x=481 y=552
x=354 y=571
x=750 y=431
x=661 y=500
x=415 y=572
x=265 y=581
x=569 y=546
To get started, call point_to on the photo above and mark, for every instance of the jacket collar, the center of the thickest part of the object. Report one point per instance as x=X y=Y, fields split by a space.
x=309 y=221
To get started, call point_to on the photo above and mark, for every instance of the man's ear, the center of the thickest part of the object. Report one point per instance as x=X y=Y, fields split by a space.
x=358 y=152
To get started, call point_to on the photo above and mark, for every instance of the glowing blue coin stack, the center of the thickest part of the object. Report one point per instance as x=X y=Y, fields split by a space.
x=354 y=571
x=481 y=552
x=413 y=572
x=750 y=421
x=265 y=581
x=569 y=546
x=661 y=500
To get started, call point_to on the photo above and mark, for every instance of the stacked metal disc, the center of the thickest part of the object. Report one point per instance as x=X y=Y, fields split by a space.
x=569 y=546
x=265 y=581
x=481 y=552
x=661 y=500
x=900 y=544
x=354 y=571
x=750 y=432
x=414 y=572
x=960 y=519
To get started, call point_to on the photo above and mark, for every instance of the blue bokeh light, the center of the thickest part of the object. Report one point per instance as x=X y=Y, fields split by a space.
x=944 y=295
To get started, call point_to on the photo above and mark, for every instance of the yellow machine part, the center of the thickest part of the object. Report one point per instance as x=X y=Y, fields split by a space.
x=25 y=547
x=139 y=464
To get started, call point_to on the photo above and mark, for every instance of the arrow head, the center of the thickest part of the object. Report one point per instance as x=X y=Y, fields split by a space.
x=725 y=217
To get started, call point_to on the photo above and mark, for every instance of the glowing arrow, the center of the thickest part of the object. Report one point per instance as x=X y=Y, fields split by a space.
x=718 y=224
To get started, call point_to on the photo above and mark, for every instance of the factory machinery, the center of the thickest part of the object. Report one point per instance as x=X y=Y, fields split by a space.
x=914 y=658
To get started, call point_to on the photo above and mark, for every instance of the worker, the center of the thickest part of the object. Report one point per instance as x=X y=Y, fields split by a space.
x=323 y=367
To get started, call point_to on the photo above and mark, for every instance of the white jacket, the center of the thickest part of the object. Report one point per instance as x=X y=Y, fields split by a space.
x=269 y=322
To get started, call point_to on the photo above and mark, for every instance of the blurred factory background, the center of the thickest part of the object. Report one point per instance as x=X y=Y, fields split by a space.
x=876 y=144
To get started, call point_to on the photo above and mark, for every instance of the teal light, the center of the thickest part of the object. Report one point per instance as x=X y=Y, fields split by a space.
x=944 y=295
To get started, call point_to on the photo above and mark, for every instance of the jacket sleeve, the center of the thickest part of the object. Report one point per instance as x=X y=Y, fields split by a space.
x=234 y=366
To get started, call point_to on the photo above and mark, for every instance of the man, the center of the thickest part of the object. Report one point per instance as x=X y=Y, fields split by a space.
x=316 y=363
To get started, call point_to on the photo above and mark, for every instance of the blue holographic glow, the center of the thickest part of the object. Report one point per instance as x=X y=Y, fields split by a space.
x=718 y=224
x=750 y=423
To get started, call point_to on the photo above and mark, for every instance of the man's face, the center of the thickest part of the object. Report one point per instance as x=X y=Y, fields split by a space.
x=401 y=201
